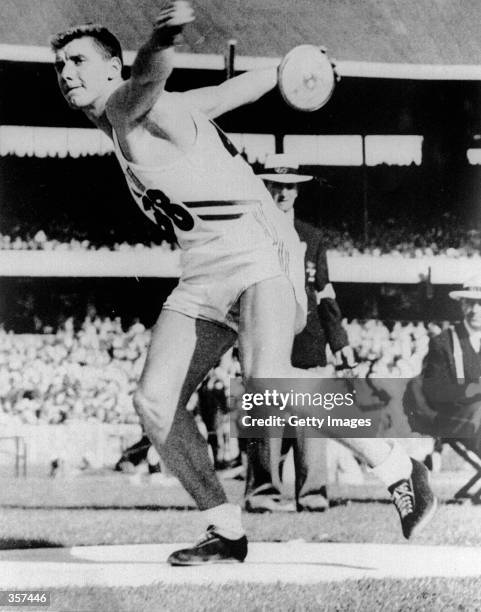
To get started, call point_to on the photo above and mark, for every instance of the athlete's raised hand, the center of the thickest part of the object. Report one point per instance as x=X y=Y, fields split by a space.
x=175 y=14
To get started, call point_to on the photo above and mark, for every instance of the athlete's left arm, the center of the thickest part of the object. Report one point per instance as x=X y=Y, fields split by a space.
x=243 y=89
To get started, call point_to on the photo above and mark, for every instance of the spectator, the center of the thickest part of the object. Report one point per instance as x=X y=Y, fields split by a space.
x=452 y=371
x=265 y=455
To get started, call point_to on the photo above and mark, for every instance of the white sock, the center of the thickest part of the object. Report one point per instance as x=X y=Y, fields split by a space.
x=397 y=466
x=226 y=519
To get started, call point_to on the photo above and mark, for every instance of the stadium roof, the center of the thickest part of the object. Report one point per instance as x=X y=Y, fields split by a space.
x=432 y=32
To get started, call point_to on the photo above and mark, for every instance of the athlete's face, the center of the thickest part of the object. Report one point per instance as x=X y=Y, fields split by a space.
x=84 y=73
x=283 y=194
x=472 y=313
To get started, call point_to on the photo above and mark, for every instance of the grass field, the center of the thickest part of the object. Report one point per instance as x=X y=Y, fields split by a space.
x=366 y=596
x=109 y=509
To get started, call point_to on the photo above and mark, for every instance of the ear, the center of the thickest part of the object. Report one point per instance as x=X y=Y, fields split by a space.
x=115 y=70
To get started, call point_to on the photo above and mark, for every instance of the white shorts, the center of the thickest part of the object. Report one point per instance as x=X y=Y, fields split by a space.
x=216 y=274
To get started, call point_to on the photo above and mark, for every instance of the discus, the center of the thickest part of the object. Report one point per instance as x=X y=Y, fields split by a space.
x=306 y=78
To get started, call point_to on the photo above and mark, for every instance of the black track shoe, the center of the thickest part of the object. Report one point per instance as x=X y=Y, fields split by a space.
x=414 y=500
x=212 y=548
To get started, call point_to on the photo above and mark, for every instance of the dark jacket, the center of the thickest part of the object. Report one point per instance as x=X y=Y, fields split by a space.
x=441 y=387
x=323 y=320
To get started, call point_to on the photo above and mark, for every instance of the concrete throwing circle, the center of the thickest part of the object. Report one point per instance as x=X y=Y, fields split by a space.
x=290 y=562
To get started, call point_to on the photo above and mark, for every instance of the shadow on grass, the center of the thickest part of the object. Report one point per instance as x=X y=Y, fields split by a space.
x=386 y=501
x=20 y=543
x=148 y=508
x=333 y=503
x=345 y=501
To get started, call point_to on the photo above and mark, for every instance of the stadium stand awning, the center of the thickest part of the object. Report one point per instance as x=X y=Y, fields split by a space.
x=33 y=141
x=29 y=141
x=400 y=150
x=347 y=150
x=433 y=39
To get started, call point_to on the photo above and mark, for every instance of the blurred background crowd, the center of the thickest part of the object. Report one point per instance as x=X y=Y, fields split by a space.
x=403 y=238
x=88 y=371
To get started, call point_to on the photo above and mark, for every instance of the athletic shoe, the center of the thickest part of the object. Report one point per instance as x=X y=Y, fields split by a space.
x=211 y=548
x=314 y=502
x=265 y=503
x=414 y=500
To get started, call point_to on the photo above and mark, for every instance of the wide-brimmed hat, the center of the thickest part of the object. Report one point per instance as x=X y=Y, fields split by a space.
x=471 y=289
x=282 y=168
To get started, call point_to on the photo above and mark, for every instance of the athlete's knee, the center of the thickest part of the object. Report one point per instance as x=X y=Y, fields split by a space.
x=156 y=418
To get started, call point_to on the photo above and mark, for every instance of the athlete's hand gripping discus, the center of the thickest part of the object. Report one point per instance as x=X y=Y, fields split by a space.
x=307 y=77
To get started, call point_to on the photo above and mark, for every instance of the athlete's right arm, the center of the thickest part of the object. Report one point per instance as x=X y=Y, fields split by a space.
x=152 y=65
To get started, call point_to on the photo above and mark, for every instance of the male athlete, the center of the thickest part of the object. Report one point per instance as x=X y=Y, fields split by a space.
x=242 y=262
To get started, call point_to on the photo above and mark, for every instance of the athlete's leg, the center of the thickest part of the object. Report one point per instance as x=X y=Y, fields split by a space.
x=266 y=330
x=266 y=333
x=181 y=353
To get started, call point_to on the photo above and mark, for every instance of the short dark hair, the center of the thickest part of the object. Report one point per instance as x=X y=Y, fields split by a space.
x=107 y=42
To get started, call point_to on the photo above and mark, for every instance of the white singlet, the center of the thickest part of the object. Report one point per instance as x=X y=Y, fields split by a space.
x=230 y=231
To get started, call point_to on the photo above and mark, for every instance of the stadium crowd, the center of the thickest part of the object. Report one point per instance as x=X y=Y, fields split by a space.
x=86 y=374
x=89 y=373
x=407 y=239
x=446 y=237
x=40 y=242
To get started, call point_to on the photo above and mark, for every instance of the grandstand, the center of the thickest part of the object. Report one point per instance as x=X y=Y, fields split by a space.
x=89 y=374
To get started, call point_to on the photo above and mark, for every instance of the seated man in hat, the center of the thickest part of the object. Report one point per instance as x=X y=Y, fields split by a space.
x=265 y=456
x=452 y=371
